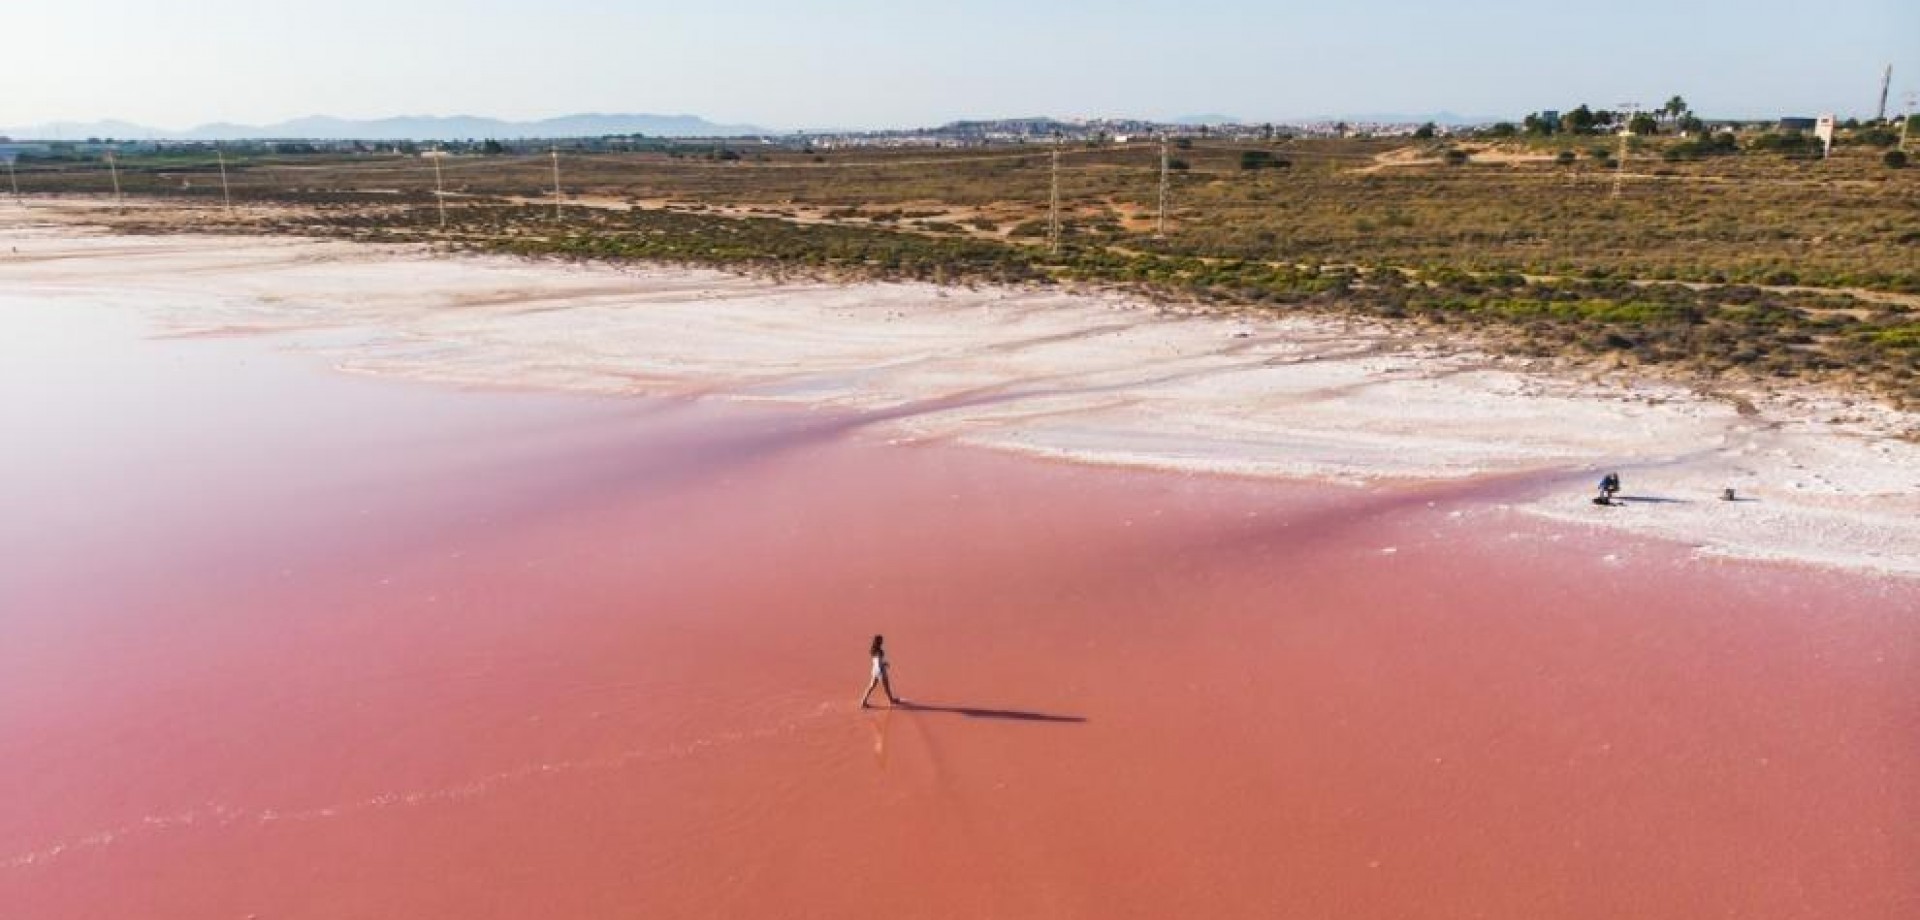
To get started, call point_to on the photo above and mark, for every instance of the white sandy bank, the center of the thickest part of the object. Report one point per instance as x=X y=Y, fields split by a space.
x=1094 y=378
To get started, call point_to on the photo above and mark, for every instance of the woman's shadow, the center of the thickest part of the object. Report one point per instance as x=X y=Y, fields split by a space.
x=973 y=712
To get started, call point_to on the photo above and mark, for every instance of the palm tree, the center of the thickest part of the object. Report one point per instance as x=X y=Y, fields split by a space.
x=1674 y=108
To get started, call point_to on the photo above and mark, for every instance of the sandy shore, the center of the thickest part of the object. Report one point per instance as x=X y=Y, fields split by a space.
x=1102 y=379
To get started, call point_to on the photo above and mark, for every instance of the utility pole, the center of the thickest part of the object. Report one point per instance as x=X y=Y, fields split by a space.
x=115 y=170
x=555 y=150
x=1907 y=119
x=439 y=188
x=1160 y=229
x=1630 y=109
x=1053 y=204
x=14 y=180
x=226 y=194
x=1886 y=83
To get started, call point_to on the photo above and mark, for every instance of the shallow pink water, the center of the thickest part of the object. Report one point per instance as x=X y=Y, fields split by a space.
x=284 y=643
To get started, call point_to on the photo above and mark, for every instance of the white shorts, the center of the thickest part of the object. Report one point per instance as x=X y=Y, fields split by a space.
x=879 y=670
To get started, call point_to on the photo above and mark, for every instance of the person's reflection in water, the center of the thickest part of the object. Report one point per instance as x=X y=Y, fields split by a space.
x=879 y=726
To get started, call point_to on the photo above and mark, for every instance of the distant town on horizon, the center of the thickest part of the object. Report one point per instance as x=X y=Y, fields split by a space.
x=686 y=126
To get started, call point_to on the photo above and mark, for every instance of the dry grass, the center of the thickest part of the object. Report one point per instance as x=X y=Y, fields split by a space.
x=1529 y=254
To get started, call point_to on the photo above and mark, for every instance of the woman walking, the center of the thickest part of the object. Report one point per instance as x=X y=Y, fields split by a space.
x=879 y=655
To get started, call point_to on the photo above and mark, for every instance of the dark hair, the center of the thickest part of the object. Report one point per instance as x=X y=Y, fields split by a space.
x=875 y=650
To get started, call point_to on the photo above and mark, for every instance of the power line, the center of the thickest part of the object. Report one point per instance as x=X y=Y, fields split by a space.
x=1113 y=160
x=1908 y=120
x=1053 y=202
x=1886 y=83
x=115 y=170
x=1160 y=227
x=439 y=188
x=398 y=166
x=1626 y=134
x=740 y=165
x=226 y=195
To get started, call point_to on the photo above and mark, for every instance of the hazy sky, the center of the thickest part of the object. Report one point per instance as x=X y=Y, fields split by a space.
x=868 y=63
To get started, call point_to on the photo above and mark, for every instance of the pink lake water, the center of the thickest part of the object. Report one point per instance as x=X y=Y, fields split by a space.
x=278 y=642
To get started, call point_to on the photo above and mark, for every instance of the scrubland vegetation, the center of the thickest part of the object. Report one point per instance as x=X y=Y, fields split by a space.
x=1728 y=258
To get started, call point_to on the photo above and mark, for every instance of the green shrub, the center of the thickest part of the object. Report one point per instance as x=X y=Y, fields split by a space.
x=1790 y=143
x=1874 y=137
x=1261 y=159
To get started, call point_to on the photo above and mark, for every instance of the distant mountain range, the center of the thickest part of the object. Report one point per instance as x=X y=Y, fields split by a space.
x=426 y=128
x=1365 y=118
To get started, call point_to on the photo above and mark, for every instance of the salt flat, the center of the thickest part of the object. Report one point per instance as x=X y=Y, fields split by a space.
x=1083 y=376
